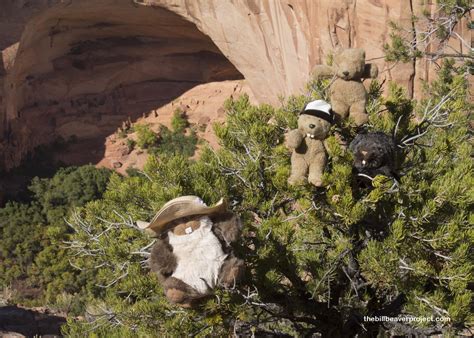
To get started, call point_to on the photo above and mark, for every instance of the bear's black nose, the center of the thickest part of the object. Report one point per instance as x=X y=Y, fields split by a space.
x=312 y=126
x=345 y=72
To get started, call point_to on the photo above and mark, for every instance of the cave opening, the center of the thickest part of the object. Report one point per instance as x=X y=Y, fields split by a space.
x=78 y=74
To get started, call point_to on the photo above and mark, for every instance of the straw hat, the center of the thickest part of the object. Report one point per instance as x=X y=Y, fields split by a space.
x=177 y=208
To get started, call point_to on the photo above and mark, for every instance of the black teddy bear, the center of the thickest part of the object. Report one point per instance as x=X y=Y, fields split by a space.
x=374 y=154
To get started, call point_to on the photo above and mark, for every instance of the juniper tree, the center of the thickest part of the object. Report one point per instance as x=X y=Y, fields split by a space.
x=33 y=260
x=434 y=34
x=318 y=260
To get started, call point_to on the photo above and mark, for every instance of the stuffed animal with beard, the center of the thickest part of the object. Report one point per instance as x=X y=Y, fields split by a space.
x=193 y=253
x=374 y=154
x=308 y=158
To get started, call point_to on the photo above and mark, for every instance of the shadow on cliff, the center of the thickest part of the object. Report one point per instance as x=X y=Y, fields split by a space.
x=80 y=145
x=29 y=323
x=81 y=73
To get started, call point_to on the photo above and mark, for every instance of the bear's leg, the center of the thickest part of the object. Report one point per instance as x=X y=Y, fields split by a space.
x=231 y=271
x=180 y=293
x=299 y=169
x=316 y=169
x=358 y=112
x=340 y=108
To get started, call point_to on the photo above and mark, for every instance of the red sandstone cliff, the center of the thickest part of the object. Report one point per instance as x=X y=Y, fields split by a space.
x=81 y=67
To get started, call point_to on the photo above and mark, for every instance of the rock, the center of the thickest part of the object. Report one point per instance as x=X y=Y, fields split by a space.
x=84 y=67
x=5 y=334
x=20 y=322
x=183 y=107
x=204 y=120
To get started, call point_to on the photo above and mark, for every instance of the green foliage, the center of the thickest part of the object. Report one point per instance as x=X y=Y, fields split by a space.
x=69 y=187
x=32 y=253
x=175 y=142
x=179 y=122
x=318 y=260
x=437 y=28
x=131 y=144
x=398 y=49
x=21 y=234
x=455 y=6
x=146 y=138
x=168 y=142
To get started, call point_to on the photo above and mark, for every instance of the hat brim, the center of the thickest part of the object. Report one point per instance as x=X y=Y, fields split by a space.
x=180 y=207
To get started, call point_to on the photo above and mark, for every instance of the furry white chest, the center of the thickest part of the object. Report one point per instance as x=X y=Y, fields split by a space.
x=199 y=257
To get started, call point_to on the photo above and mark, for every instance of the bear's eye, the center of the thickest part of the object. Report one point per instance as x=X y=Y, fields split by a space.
x=312 y=126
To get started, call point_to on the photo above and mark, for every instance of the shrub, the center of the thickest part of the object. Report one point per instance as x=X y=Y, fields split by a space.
x=146 y=138
x=179 y=122
x=175 y=143
x=32 y=250
x=131 y=144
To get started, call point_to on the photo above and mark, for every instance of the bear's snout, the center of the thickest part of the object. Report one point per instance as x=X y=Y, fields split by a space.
x=346 y=73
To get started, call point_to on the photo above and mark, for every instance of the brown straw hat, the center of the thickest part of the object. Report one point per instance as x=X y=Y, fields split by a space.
x=183 y=206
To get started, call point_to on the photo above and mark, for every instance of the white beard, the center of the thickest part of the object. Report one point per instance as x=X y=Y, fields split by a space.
x=199 y=257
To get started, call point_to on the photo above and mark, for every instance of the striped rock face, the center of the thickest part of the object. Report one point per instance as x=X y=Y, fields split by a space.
x=82 y=68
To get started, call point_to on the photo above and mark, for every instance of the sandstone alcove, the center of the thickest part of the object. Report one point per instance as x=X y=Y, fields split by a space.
x=81 y=70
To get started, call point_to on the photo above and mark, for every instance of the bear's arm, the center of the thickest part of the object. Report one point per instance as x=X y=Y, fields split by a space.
x=227 y=227
x=370 y=71
x=322 y=71
x=294 y=139
x=162 y=259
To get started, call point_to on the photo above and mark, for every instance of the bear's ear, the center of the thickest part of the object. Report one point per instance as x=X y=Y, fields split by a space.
x=370 y=71
x=227 y=227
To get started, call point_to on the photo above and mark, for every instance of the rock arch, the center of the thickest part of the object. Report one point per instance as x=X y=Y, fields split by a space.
x=81 y=70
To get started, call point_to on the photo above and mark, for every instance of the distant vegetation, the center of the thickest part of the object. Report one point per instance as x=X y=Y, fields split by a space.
x=179 y=121
x=34 y=264
x=146 y=138
x=177 y=141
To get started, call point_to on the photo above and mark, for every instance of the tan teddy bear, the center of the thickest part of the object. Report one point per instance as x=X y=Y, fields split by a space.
x=193 y=254
x=347 y=93
x=309 y=154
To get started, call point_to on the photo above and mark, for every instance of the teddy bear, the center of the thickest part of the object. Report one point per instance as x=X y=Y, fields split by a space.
x=374 y=154
x=192 y=254
x=309 y=157
x=347 y=93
